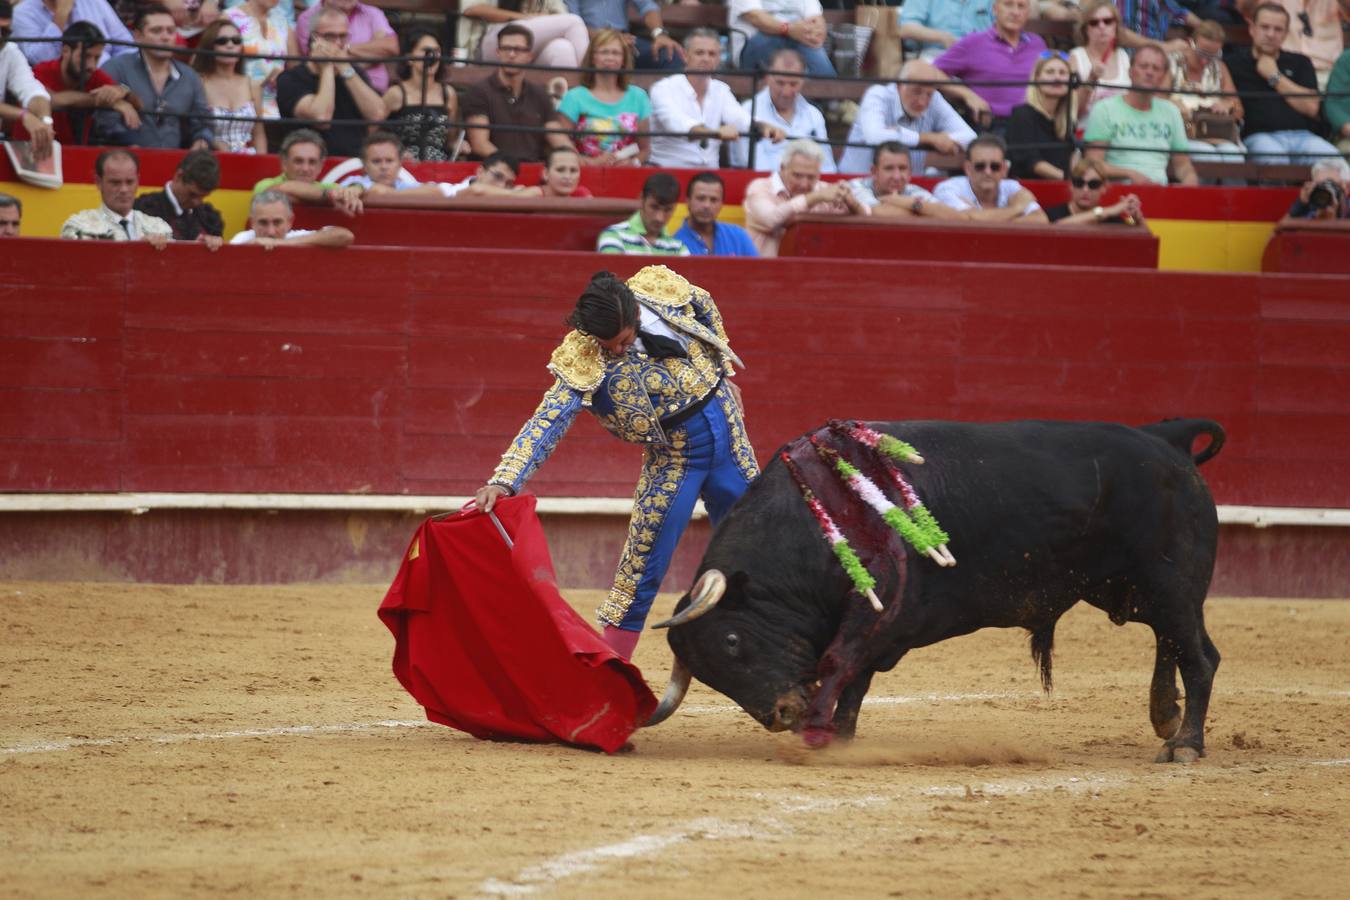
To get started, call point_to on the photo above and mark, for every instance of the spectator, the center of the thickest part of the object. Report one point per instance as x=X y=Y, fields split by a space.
x=382 y=170
x=268 y=28
x=609 y=114
x=700 y=106
x=767 y=26
x=34 y=110
x=1279 y=94
x=1099 y=61
x=780 y=103
x=285 y=10
x=888 y=192
x=496 y=177
x=77 y=84
x=271 y=218
x=172 y=101
x=182 y=204
x=302 y=154
x=368 y=36
x=1337 y=103
x=914 y=115
x=1200 y=68
x=419 y=107
x=1136 y=132
x=1315 y=31
x=937 y=24
x=191 y=18
x=701 y=232
x=505 y=99
x=1147 y=21
x=1327 y=194
x=235 y=100
x=1085 y=200
x=645 y=233
x=559 y=39
x=116 y=175
x=660 y=52
x=11 y=214
x=1041 y=131
x=773 y=203
x=984 y=194
x=330 y=92
x=562 y=175
x=50 y=18
x=1004 y=53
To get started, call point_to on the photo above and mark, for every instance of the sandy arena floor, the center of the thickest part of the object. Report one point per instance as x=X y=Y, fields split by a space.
x=171 y=741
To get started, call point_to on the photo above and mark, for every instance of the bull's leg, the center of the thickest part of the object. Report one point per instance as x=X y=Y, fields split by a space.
x=850 y=701
x=1197 y=658
x=1163 y=710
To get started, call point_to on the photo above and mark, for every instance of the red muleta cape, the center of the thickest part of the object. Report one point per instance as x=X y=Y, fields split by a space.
x=484 y=641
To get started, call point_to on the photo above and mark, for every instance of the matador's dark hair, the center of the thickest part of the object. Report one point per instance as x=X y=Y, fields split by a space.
x=605 y=307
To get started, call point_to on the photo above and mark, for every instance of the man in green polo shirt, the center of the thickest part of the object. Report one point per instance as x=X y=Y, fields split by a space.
x=645 y=233
x=302 y=154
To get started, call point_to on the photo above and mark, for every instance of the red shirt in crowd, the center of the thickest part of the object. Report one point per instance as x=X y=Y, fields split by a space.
x=50 y=75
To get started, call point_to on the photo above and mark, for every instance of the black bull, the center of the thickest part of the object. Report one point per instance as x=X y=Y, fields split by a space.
x=1041 y=515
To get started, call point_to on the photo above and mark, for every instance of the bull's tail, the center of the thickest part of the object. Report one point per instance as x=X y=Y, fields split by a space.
x=1042 y=652
x=1181 y=433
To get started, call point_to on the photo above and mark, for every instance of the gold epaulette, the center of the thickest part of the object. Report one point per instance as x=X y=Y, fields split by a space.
x=579 y=362
x=661 y=286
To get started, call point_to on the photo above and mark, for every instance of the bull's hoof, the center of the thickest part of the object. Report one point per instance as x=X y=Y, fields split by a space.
x=817 y=738
x=1168 y=729
x=1178 y=754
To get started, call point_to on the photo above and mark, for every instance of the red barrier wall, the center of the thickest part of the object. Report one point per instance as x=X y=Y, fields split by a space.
x=398 y=371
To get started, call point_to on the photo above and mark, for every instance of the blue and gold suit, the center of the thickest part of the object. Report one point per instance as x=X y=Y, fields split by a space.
x=706 y=454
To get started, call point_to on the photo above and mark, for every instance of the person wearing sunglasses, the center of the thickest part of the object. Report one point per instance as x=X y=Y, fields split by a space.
x=1206 y=90
x=1279 y=94
x=236 y=100
x=1041 y=131
x=983 y=194
x=1087 y=185
x=1139 y=135
x=1101 y=63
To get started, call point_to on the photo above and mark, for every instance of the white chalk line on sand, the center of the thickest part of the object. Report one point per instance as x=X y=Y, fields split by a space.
x=779 y=822
x=60 y=744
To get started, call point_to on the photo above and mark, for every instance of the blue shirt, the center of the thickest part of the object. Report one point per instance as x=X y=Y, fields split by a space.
x=728 y=240
x=606 y=13
x=956 y=17
x=33 y=20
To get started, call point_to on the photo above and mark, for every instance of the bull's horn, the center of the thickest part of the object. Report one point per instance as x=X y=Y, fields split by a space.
x=674 y=695
x=711 y=585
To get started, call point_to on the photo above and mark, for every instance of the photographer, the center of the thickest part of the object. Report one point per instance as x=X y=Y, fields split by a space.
x=1324 y=197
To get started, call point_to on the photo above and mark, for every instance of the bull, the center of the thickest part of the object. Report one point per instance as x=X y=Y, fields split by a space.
x=1040 y=514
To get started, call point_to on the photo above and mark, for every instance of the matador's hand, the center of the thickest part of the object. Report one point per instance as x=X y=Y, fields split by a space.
x=488 y=495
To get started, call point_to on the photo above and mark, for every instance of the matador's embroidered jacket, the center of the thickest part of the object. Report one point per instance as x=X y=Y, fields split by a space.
x=628 y=394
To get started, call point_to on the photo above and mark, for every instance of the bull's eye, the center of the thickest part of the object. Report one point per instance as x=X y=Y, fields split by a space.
x=733 y=643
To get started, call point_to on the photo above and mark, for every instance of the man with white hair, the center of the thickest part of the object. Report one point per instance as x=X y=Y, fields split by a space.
x=1327 y=194
x=272 y=217
x=913 y=115
x=699 y=109
x=773 y=203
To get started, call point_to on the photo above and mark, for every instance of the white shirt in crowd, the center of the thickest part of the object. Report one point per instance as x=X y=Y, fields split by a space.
x=245 y=237
x=957 y=193
x=16 y=77
x=865 y=194
x=807 y=122
x=882 y=117
x=675 y=107
x=782 y=10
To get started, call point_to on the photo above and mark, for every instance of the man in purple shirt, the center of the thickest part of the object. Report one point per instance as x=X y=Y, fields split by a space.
x=369 y=34
x=1005 y=52
x=37 y=18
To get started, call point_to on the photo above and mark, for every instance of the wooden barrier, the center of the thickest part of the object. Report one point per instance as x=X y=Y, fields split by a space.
x=915 y=238
x=388 y=371
x=1303 y=245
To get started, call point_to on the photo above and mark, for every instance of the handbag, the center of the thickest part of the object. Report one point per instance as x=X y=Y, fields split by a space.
x=883 y=20
x=1215 y=126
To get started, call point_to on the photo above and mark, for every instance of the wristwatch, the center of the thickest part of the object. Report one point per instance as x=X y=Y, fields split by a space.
x=1273 y=80
x=1098 y=213
x=346 y=72
x=657 y=32
x=48 y=120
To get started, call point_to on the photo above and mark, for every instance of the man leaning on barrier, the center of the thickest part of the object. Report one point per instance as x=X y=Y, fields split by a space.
x=774 y=203
x=984 y=194
x=701 y=232
x=117 y=175
x=182 y=203
x=780 y=103
x=644 y=233
x=271 y=217
x=302 y=155
x=888 y=191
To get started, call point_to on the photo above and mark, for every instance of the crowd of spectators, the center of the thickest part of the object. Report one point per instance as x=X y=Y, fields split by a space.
x=1132 y=102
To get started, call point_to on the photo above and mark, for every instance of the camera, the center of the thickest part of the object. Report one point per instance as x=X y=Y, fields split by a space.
x=1326 y=193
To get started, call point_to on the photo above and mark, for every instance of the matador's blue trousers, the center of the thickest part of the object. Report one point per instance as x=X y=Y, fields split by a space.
x=707 y=455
